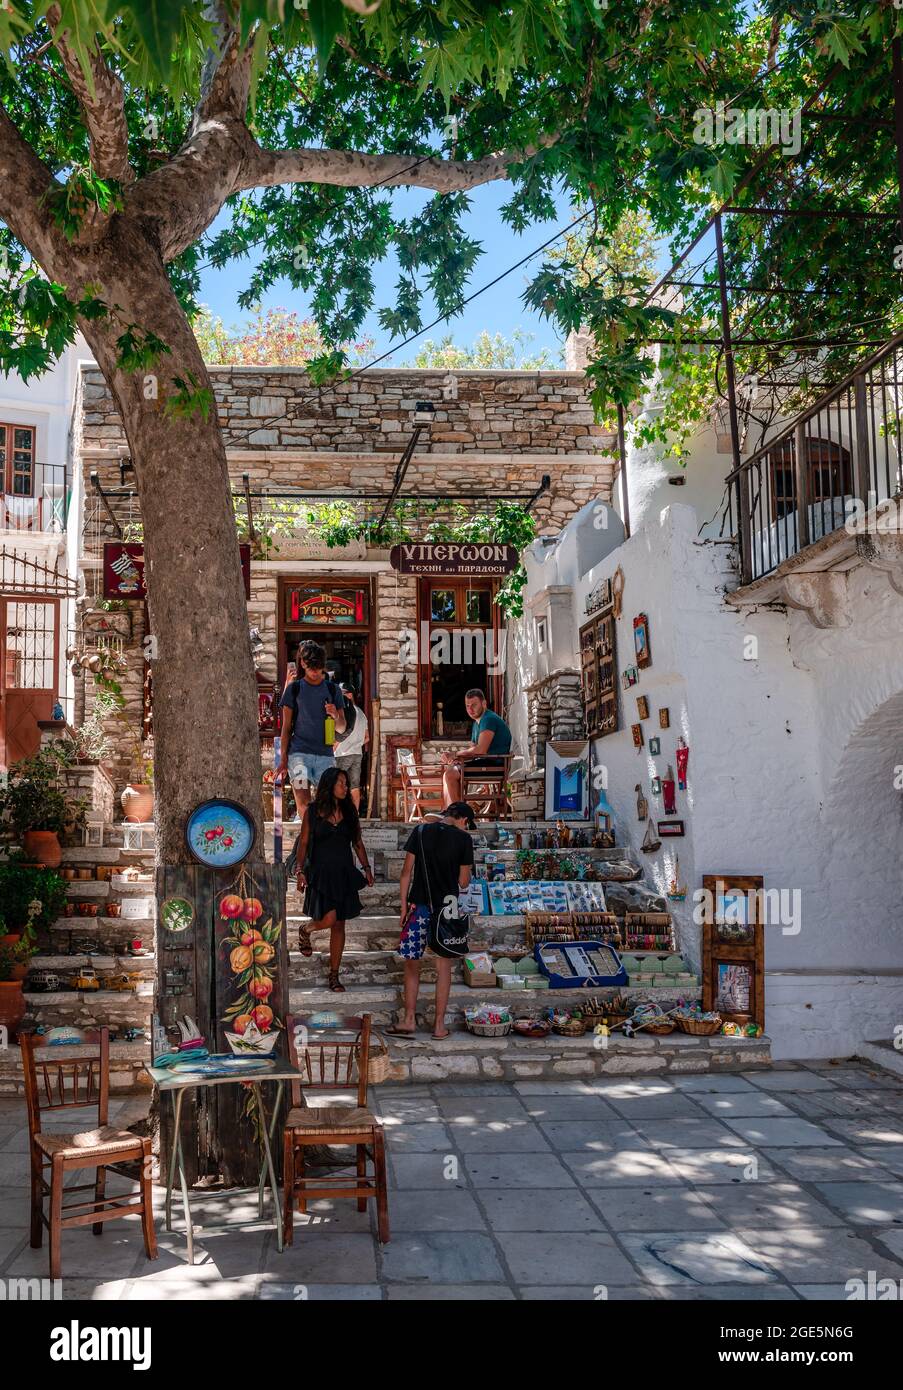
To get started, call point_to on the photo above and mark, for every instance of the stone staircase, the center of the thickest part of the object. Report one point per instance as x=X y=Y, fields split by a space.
x=372 y=974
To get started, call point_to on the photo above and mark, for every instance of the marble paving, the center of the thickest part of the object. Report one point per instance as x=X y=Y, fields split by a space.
x=785 y=1184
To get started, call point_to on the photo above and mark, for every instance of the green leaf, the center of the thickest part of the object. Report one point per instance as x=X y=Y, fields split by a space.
x=159 y=22
x=327 y=21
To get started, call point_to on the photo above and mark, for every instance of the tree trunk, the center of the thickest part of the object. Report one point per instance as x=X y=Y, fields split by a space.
x=206 y=741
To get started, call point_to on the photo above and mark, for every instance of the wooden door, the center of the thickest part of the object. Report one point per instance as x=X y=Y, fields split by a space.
x=29 y=662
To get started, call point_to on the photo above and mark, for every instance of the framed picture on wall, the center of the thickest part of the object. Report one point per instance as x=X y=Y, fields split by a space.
x=641 y=640
x=733 y=947
x=567 y=779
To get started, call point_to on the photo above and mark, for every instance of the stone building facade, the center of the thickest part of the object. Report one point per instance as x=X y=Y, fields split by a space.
x=493 y=434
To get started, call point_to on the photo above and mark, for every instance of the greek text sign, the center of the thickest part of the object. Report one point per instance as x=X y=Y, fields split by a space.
x=454 y=557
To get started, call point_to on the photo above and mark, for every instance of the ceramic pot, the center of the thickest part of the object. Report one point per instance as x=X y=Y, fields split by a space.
x=11 y=939
x=43 y=847
x=138 y=802
x=12 y=1006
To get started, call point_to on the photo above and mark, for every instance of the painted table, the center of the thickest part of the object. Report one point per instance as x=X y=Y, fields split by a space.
x=177 y=1084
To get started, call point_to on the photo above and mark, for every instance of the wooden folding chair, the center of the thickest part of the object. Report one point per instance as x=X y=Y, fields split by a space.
x=422 y=787
x=328 y=1063
x=66 y=1082
x=486 y=790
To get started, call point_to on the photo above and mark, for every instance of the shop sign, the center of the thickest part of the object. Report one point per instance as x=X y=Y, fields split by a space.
x=453 y=557
x=326 y=607
x=123 y=570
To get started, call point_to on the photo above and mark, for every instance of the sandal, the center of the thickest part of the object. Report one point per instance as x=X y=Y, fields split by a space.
x=305 y=945
x=396 y=1032
x=335 y=983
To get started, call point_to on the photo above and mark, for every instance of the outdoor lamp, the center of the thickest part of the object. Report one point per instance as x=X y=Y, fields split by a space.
x=424 y=413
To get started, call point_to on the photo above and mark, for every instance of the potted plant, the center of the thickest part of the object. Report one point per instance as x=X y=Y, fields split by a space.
x=138 y=797
x=13 y=969
x=31 y=897
x=34 y=807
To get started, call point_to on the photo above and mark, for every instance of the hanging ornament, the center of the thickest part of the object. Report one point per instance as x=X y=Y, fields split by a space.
x=677 y=891
x=642 y=805
x=668 y=791
x=683 y=757
x=617 y=591
x=651 y=842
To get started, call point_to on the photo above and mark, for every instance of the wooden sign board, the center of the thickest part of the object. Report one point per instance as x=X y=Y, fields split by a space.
x=449 y=558
x=733 y=948
x=123 y=570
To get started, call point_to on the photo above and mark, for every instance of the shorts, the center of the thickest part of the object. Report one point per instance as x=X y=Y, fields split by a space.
x=414 y=936
x=306 y=769
x=351 y=766
x=483 y=762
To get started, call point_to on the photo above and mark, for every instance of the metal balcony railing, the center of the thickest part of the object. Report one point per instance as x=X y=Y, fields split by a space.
x=807 y=480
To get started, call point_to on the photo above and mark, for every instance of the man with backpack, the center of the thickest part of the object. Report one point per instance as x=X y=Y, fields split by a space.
x=313 y=712
x=438 y=865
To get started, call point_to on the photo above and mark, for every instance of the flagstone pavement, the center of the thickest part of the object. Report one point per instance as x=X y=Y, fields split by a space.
x=785 y=1184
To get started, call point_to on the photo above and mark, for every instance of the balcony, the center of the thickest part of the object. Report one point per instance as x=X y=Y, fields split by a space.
x=37 y=502
x=823 y=494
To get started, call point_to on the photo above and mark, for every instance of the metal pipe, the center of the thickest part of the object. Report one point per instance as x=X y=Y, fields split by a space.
x=743 y=497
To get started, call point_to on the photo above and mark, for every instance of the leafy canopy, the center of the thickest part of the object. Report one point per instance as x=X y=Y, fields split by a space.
x=594 y=103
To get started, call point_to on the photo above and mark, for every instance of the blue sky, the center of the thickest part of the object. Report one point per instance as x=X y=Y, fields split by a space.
x=499 y=310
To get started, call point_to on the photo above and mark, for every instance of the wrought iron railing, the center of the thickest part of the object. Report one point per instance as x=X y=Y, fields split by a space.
x=36 y=500
x=839 y=456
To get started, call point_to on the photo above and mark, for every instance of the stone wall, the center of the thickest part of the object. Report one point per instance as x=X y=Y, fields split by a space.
x=494 y=433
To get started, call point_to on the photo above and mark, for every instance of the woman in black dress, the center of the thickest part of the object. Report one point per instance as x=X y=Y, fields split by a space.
x=326 y=872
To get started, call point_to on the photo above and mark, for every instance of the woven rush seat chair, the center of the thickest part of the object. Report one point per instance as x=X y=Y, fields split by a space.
x=422 y=788
x=329 y=1063
x=486 y=789
x=80 y=1079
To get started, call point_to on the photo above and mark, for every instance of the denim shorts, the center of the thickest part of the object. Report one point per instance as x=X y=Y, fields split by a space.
x=306 y=769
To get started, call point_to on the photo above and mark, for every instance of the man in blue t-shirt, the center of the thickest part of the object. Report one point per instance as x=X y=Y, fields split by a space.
x=490 y=742
x=306 y=703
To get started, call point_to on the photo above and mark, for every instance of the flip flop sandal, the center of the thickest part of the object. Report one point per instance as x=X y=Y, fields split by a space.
x=305 y=945
x=394 y=1032
x=441 y=1037
x=335 y=983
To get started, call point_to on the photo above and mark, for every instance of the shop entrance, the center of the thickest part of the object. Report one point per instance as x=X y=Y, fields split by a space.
x=347 y=657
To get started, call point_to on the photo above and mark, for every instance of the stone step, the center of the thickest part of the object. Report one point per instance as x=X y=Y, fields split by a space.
x=142 y=965
x=465 y=1057
x=384 y=1001
x=90 y=854
x=90 y=888
x=127 y=1062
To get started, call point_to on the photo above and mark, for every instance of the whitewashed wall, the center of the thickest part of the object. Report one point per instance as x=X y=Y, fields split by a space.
x=795 y=735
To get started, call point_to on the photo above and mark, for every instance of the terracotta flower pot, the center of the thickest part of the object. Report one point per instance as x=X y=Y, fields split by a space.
x=11 y=939
x=12 y=1006
x=138 y=802
x=44 y=847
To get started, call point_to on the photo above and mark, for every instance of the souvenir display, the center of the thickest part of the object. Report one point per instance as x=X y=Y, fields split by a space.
x=697 y=1021
x=220 y=833
x=598 y=675
x=651 y=841
x=655 y=747
x=488 y=1020
x=532 y=1028
x=670 y=828
x=642 y=805
x=648 y=931
x=683 y=757
x=642 y=707
x=573 y=965
x=630 y=677
x=567 y=780
x=733 y=948
x=641 y=640
x=542 y=895
x=473 y=899
x=664 y=717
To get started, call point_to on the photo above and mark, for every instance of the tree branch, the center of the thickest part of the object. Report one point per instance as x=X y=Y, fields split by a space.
x=25 y=182
x=350 y=169
x=103 y=108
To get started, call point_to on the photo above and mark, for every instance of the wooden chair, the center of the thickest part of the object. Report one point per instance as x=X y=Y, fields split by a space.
x=68 y=1080
x=329 y=1063
x=486 y=789
x=422 y=787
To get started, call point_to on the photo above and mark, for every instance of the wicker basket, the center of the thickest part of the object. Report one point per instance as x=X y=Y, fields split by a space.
x=378 y=1063
x=531 y=1028
x=659 y=1029
x=490 y=1030
x=573 y=1029
x=699 y=1027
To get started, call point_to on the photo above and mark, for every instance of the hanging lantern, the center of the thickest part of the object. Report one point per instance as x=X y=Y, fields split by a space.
x=93 y=830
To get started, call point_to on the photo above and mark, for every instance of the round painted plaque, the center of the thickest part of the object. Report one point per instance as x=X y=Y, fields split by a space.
x=177 y=914
x=220 y=833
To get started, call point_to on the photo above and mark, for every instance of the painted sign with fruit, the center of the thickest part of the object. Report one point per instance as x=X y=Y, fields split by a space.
x=251 y=946
x=220 y=833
